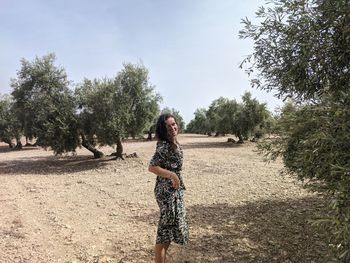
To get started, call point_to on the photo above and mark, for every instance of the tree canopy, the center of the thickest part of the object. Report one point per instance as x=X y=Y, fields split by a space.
x=44 y=104
x=302 y=52
x=9 y=125
x=100 y=111
x=225 y=116
x=301 y=48
x=113 y=109
x=200 y=122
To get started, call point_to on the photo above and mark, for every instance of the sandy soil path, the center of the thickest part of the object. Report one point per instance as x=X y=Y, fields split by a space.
x=77 y=209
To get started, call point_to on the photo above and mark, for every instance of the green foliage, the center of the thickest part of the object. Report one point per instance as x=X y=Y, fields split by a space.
x=140 y=98
x=97 y=115
x=220 y=113
x=9 y=125
x=107 y=109
x=301 y=48
x=44 y=104
x=314 y=143
x=253 y=117
x=223 y=116
x=302 y=51
x=114 y=108
x=200 y=123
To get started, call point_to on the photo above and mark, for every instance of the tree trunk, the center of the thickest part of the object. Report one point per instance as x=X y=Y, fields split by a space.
x=149 y=138
x=240 y=138
x=9 y=142
x=37 y=142
x=19 y=144
x=91 y=148
x=27 y=142
x=119 y=150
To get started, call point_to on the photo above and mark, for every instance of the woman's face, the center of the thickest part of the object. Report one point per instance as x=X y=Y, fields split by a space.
x=171 y=127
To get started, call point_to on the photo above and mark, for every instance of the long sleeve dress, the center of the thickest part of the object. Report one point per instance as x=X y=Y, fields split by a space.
x=172 y=224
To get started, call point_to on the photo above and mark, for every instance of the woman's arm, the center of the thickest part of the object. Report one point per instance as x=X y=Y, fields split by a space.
x=165 y=174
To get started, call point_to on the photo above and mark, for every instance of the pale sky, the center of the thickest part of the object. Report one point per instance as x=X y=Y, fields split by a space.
x=190 y=47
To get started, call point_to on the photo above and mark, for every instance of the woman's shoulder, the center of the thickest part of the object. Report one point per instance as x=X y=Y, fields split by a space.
x=163 y=145
x=168 y=147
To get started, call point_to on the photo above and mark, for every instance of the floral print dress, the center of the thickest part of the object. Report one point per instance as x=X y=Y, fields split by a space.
x=172 y=224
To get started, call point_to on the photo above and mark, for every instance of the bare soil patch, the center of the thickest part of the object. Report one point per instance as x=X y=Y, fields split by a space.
x=79 y=209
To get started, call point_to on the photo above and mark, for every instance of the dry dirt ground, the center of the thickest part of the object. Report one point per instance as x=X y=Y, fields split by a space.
x=79 y=209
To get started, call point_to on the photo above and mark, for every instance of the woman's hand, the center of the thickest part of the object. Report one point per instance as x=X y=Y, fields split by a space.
x=175 y=180
x=165 y=174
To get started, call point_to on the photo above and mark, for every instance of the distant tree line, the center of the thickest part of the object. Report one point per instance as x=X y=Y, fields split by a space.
x=249 y=119
x=302 y=52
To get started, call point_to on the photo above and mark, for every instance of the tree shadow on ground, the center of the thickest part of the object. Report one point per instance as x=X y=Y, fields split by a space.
x=196 y=136
x=6 y=148
x=210 y=145
x=263 y=231
x=52 y=165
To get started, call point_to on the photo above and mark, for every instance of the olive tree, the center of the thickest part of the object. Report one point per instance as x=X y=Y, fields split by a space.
x=94 y=107
x=144 y=102
x=301 y=51
x=113 y=108
x=223 y=116
x=253 y=119
x=45 y=105
x=218 y=114
x=200 y=122
x=10 y=128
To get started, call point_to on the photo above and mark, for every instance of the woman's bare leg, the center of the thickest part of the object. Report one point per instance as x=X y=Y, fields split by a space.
x=160 y=252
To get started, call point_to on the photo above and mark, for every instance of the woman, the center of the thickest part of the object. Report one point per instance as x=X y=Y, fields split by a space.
x=169 y=190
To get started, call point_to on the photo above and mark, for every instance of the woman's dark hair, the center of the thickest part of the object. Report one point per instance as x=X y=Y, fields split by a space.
x=161 y=128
